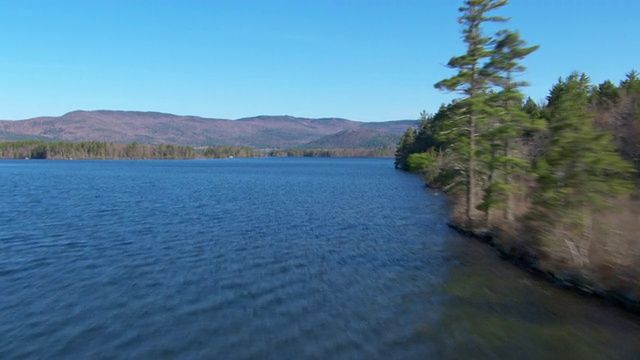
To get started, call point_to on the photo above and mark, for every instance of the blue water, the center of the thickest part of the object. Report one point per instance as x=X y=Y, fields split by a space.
x=266 y=258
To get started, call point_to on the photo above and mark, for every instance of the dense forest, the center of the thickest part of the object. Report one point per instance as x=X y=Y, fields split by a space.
x=105 y=150
x=554 y=184
x=346 y=152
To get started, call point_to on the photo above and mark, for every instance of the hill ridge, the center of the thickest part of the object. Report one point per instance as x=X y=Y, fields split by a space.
x=151 y=127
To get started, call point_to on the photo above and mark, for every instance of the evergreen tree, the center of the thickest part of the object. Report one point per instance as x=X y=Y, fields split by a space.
x=425 y=136
x=631 y=84
x=606 y=95
x=428 y=137
x=531 y=108
x=405 y=148
x=472 y=82
x=580 y=170
x=508 y=122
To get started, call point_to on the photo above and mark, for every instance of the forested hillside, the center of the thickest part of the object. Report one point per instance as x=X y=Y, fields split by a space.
x=260 y=132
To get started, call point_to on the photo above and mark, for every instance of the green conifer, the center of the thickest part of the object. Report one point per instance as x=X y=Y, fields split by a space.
x=471 y=81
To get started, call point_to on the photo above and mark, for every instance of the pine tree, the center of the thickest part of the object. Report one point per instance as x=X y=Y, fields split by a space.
x=425 y=138
x=508 y=122
x=631 y=84
x=405 y=148
x=472 y=83
x=606 y=95
x=531 y=108
x=581 y=169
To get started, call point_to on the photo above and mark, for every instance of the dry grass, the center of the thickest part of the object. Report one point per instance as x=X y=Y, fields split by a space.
x=604 y=254
x=605 y=257
x=614 y=255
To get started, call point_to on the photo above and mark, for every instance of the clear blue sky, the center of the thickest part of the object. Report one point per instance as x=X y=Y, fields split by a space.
x=367 y=60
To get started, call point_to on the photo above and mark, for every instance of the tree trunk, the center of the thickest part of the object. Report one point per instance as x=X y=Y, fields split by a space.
x=491 y=194
x=471 y=201
x=587 y=236
x=508 y=210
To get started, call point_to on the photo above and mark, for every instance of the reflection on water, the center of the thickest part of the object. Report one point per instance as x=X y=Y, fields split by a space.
x=266 y=258
x=496 y=310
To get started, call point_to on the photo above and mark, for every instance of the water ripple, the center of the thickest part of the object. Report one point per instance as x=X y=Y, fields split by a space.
x=271 y=258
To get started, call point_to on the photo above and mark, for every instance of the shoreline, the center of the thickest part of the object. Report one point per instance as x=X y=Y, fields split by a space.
x=189 y=158
x=572 y=282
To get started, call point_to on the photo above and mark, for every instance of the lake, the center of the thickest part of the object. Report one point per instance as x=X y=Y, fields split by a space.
x=270 y=259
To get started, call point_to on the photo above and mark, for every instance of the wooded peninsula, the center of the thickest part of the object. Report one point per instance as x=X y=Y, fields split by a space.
x=553 y=185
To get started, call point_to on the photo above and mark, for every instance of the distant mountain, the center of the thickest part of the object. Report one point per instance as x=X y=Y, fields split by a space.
x=160 y=128
x=358 y=138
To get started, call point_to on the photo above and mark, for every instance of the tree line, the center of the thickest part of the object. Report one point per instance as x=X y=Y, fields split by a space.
x=346 y=152
x=542 y=179
x=107 y=150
